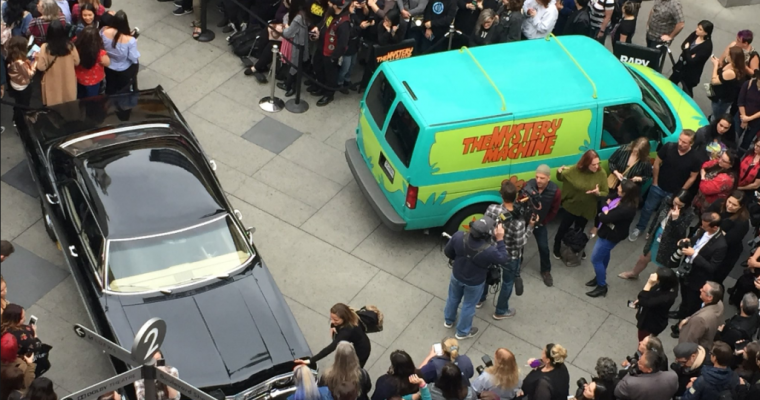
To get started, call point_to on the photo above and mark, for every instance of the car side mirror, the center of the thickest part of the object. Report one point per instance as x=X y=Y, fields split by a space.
x=238 y=214
x=251 y=231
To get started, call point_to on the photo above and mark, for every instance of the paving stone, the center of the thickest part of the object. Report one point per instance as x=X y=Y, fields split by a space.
x=432 y=274
x=230 y=178
x=11 y=149
x=298 y=182
x=29 y=277
x=20 y=177
x=272 y=135
x=340 y=136
x=345 y=221
x=65 y=302
x=20 y=211
x=395 y=252
x=186 y=59
x=274 y=202
x=166 y=35
x=150 y=51
x=320 y=158
x=150 y=79
x=225 y=113
x=37 y=241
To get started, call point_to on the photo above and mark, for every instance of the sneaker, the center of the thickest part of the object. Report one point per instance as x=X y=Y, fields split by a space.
x=556 y=255
x=519 y=286
x=181 y=11
x=510 y=313
x=473 y=332
x=480 y=305
x=634 y=235
x=2 y=129
x=583 y=255
x=448 y=325
x=547 y=277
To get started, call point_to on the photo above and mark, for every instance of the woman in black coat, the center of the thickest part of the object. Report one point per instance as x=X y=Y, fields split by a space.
x=654 y=302
x=696 y=50
x=345 y=326
x=734 y=222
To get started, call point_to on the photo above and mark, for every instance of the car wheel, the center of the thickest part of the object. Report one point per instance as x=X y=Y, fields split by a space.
x=48 y=224
x=461 y=220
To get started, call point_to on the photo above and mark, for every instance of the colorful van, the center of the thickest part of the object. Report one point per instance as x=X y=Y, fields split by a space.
x=439 y=133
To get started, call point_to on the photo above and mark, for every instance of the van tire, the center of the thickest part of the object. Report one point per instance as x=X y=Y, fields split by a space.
x=470 y=212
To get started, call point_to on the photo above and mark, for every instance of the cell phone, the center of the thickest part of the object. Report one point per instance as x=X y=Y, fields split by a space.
x=32 y=320
x=631 y=304
x=32 y=50
x=161 y=362
x=438 y=349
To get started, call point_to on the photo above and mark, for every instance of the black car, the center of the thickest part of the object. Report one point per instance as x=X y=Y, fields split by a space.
x=147 y=230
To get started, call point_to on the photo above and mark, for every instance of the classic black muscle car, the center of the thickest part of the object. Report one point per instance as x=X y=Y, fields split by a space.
x=147 y=230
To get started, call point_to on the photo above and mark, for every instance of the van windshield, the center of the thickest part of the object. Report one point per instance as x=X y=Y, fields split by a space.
x=655 y=102
x=379 y=99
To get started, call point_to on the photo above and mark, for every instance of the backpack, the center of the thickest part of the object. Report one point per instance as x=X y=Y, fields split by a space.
x=371 y=319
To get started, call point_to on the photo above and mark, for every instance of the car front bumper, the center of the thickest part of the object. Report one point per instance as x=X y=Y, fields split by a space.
x=371 y=188
x=278 y=387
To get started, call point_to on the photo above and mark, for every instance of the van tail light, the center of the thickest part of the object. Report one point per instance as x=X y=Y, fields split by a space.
x=411 y=197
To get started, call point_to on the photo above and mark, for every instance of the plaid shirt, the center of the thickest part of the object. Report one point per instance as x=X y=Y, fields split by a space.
x=140 y=385
x=38 y=27
x=666 y=14
x=515 y=233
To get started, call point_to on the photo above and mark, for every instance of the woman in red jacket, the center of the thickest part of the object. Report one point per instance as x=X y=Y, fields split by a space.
x=718 y=180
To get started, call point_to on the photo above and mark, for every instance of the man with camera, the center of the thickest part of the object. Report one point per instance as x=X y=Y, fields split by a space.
x=512 y=218
x=701 y=327
x=700 y=258
x=690 y=358
x=473 y=254
x=740 y=328
x=650 y=383
x=716 y=381
x=549 y=197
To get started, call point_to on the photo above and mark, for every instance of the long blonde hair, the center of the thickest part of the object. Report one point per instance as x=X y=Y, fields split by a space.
x=344 y=369
x=306 y=385
x=504 y=369
x=50 y=10
x=450 y=347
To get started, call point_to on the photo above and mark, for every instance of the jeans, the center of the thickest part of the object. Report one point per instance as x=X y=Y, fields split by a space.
x=542 y=240
x=344 y=75
x=654 y=198
x=22 y=98
x=719 y=107
x=88 y=91
x=600 y=259
x=567 y=221
x=509 y=272
x=594 y=32
x=468 y=296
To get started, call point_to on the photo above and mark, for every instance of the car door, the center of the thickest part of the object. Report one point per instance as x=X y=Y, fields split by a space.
x=89 y=244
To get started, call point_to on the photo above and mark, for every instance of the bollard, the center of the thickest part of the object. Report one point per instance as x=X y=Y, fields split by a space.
x=206 y=35
x=272 y=103
x=298 y=105
x=451 y=34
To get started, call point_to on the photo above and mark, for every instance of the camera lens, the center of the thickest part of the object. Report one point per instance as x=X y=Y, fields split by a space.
x=582 y=382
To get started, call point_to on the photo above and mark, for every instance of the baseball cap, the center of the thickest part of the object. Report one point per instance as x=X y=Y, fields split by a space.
x=481 y=228
x=685 y=350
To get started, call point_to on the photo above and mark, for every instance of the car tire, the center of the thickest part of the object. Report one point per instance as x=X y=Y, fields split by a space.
x=462 y=218
x=48 y=224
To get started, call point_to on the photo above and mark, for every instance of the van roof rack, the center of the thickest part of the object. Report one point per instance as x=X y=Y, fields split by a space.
x=591 y=81
x=496 y=88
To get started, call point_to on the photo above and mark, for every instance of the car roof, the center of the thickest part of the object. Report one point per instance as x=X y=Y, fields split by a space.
x=148 y=187
x=532 y=75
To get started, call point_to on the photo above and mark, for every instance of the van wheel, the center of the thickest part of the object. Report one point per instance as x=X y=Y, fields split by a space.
x=48 y=224
x=461 y=220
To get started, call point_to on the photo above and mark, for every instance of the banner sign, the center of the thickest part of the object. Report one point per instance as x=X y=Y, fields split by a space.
x=635 y=54
x=398 y=51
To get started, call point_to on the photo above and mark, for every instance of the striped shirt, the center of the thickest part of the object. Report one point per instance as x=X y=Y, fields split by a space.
x=597 y=10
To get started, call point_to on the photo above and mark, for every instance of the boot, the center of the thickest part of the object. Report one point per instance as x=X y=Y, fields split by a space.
x=325 y=100
x=599 y=291
x=592 y=282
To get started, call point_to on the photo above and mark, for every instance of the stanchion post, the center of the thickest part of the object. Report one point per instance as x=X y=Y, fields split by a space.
x=451 y=34
x=272 y=103
x=206 y=35
x=297 y=105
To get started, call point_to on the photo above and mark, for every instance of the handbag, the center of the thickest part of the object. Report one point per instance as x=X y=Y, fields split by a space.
x=612 y=180
x=710 y=91
x=286 y=49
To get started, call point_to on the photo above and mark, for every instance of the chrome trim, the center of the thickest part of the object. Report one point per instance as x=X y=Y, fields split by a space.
x=231 y=272
x=52 y=198
x=271 y=393
x=238 y=214
x=213 y=164
x=73 y=251
x=110 y=132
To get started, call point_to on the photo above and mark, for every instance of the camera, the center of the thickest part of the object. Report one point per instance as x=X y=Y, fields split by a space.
x=528 y=202
x=684 y=243
x=684 y=271
x=581 y=382
x=487 y=363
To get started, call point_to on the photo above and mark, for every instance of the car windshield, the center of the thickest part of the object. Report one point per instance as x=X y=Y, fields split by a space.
x=158 y=262
x=655 y=102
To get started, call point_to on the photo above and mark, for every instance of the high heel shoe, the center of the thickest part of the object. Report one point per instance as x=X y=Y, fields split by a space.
x=599 y=291
x=627 y=275
x=592 y=282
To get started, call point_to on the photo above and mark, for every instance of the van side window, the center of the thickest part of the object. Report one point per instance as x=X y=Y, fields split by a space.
x=402 y=133
x=379 y=99
x=625 y=123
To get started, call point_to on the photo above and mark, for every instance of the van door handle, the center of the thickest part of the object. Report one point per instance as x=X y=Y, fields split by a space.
x=73 y=251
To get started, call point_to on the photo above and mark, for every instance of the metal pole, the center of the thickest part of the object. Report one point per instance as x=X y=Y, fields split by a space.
x=451 y=34
x=298 y=106
x=206 y=35
x=272 y=103
x=149 y=379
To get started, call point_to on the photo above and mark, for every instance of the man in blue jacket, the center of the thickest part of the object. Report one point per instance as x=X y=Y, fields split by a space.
x=716 y=380
x=472 y=254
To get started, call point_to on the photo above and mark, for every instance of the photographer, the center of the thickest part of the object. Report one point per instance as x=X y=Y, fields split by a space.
x=650 y=383
x=701 y=327
x=432 y=365
x=703 y=254
x=550 y=199
x=472 y=254
x=654 y=302
x=516 y=234
x=740 y=327
x=715 y=379
x=502 y=377
x=602 y=386
x=690 y=358
x=651 y=342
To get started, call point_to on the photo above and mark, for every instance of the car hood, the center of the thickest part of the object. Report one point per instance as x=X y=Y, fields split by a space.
x=221 y=333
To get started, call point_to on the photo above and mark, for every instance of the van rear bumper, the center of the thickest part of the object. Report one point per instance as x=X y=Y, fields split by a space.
x=371 y=189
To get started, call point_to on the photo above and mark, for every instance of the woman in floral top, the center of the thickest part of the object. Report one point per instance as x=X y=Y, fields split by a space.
x=92 y=59
x=718 y=180
x=26 y=335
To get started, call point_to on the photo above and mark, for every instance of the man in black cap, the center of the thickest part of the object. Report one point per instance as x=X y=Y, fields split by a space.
x=334 y=36
x=690 y=358
x=472 y=254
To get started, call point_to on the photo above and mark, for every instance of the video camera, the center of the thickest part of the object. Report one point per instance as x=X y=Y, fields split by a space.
x=487 y=363
x=528 y=202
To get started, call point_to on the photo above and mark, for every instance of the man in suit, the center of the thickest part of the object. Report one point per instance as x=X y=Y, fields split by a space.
x=701 y=327
x=704 y=255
